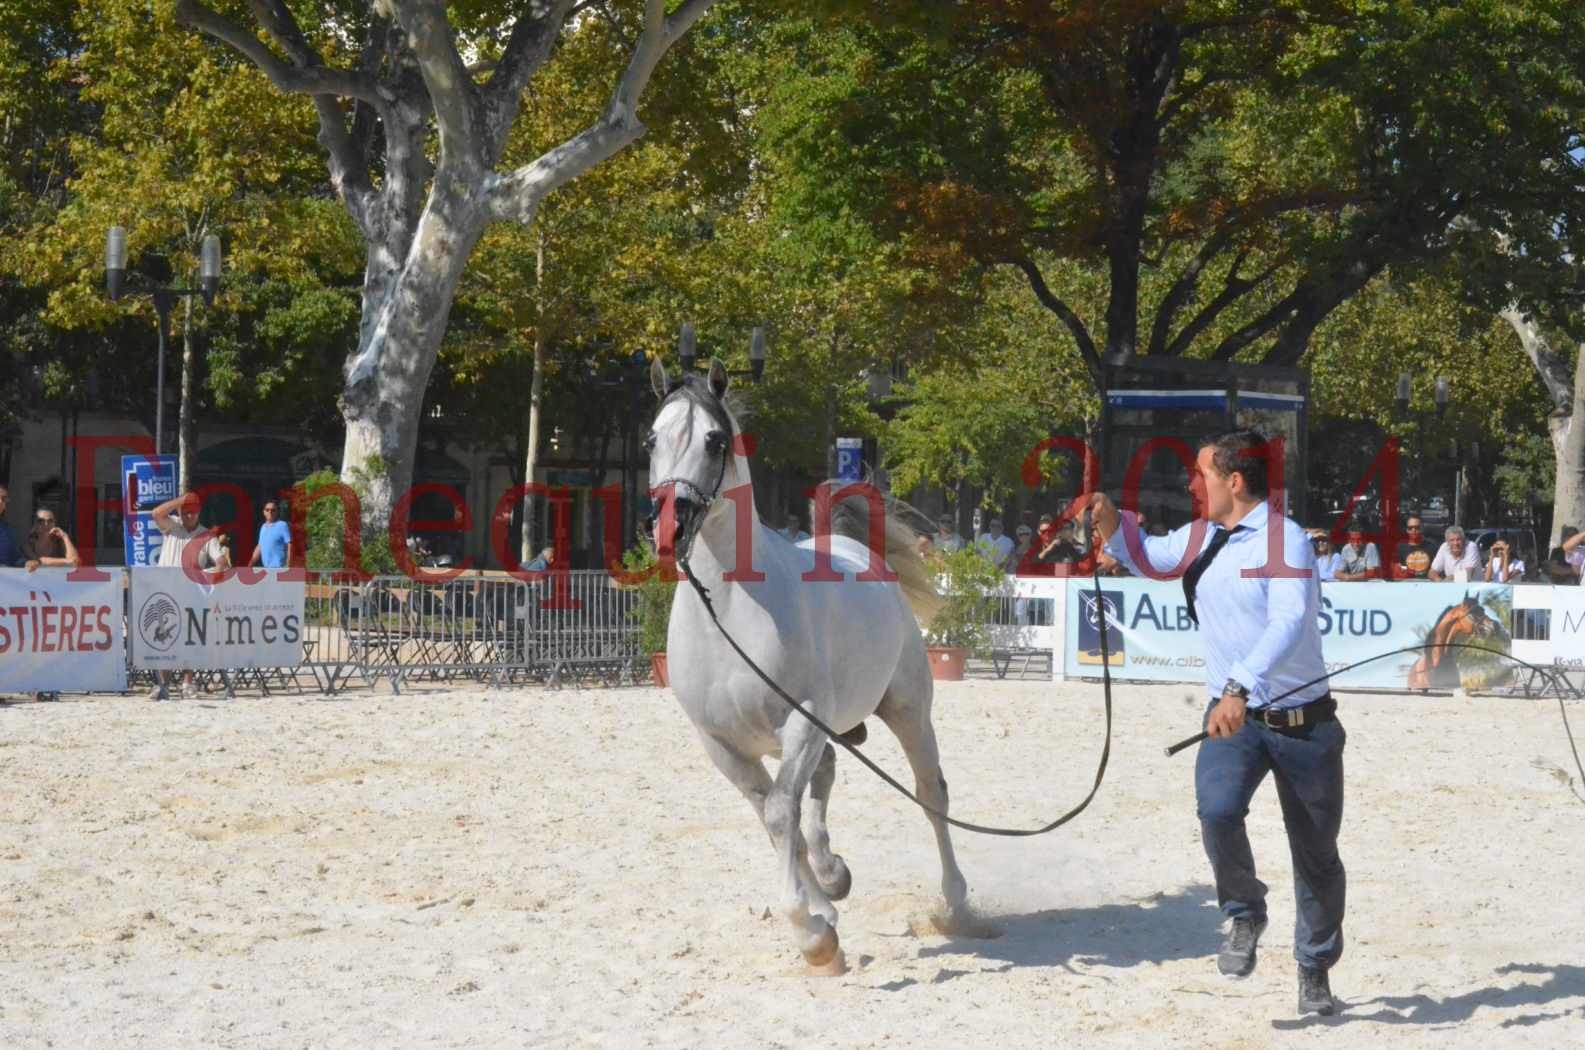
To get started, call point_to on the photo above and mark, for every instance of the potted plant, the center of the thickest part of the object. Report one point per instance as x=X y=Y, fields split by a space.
x=653 y=611
x=968 y=582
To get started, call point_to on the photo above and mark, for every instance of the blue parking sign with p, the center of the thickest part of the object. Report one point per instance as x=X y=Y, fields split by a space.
x=146 y=482
x=850 y=459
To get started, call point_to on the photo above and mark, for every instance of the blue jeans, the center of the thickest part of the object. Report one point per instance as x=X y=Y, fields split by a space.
x=1308 y=767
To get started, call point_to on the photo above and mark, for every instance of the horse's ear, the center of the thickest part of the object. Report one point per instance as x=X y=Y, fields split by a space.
x=718 y=378
x=657 y=378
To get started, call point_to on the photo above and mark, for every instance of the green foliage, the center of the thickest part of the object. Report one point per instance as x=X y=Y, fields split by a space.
x=326 y=528
x=655 y=595
x=1526 y=474
x=969 y=582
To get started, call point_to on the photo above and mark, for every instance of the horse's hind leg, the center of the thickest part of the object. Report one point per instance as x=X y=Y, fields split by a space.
x=830 y=871
x=906 y=711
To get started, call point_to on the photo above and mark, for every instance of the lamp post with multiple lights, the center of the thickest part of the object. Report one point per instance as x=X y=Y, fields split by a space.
x=164 y=298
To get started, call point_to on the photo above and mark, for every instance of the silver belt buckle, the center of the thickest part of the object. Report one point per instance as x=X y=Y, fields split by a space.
x=1295 y=717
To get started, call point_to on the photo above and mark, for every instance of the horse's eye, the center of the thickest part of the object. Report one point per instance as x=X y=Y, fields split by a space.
x=714 y=442
x=649 y=442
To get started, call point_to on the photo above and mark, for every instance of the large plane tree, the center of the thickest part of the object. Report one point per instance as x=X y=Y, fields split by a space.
x=416 y=100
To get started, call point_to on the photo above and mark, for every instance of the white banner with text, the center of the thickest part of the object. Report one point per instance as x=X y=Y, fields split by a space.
x=250 y=618
x=59 y=634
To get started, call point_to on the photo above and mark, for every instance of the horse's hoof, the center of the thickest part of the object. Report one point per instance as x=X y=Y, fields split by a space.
x=839 y=883
x=827 y=949
x=963 y=923
x=836 y=966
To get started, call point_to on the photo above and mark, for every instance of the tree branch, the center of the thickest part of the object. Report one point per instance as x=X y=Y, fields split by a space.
x=459 y=113
x=516 y=196
x=1549 y=364
x=310 y=79
x=1048 y=299
x=532 y=38
x=1233 y=289
x=1183 y=288
x=307 y=75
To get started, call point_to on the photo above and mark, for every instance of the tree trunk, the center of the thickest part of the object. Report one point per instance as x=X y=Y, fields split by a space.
x=385 y=382
x=1568 y=445
x=1565 y=425
x=536 y=389
x=184 y=411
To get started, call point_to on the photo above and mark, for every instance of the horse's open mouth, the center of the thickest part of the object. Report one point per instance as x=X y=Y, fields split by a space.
x=676 y=525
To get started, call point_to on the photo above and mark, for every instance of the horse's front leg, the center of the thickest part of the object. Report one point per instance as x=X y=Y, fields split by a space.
x=803 y=903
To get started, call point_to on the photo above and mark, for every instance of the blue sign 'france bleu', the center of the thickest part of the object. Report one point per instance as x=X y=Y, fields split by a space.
x=146 y=482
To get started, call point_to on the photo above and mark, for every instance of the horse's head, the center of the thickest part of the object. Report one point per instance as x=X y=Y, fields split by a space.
x=690 y=449
x=1481 y=625
x=1467 y=619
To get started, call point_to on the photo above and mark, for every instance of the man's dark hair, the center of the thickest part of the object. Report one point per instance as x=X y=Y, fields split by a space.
x=1243 y=452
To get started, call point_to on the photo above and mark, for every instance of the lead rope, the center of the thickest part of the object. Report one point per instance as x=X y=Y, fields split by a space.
x=1106 y=750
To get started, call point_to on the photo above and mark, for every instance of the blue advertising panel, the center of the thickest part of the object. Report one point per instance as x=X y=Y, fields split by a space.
x=146 y=482
x=1150 y=636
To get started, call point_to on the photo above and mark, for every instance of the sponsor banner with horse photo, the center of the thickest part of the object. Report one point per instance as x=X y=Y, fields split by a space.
x=60 y=634
x=181 y=623
x=1151 y=638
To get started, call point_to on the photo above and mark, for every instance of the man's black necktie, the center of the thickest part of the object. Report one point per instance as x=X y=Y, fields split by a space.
x=1191 y=579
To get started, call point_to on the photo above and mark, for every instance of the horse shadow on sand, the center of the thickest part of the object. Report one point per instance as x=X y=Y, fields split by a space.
x=1562 y=981
x=1160 y=928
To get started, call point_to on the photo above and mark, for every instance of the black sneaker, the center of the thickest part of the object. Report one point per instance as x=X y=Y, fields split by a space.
x=1238 y=951
x=1315 y=992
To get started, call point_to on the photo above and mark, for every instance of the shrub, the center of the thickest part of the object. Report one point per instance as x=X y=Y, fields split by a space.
x=654 y=598
x=969 y=583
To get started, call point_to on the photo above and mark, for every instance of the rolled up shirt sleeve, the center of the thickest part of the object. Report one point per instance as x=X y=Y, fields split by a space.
x=1162 y=553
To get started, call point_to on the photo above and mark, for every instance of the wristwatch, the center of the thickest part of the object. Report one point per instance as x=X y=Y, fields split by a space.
x=1236 y=688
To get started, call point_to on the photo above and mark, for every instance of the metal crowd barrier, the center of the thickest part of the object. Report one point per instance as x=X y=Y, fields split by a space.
x=494 y=629
x=486 y=627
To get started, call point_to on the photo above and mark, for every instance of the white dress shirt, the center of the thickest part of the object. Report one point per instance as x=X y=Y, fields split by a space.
x=1260 y=630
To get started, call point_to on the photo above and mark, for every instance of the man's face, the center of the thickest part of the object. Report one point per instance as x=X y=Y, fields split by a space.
x=1356 y=538
x=270 y=511
x=945 y=527
x=1212 y=490
x=1455 y=544
x=190 y=512
x=1024 y=535
x=996 y=527
x=1412 y=527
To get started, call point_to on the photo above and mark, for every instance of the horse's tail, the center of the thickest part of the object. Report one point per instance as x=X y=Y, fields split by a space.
x=850 y=517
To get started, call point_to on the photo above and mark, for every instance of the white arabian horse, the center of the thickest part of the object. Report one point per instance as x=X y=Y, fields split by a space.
x=847 y=649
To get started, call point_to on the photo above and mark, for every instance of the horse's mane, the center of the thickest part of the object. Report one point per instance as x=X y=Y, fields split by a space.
x=850 y=517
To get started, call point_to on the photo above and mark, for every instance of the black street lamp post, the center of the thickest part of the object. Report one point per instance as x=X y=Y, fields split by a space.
x=687 y=352
x=164 y=299
x=1442 y=389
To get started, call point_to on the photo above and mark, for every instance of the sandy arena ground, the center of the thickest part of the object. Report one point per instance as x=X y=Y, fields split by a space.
x=564 y=869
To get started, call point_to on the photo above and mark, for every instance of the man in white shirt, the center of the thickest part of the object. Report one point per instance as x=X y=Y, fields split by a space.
x=1457 y=558
x=1269 y=709
x=995 y=544
x=178 y=520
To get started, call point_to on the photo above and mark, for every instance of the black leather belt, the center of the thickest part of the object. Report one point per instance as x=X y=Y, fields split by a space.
x=1322 y=710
